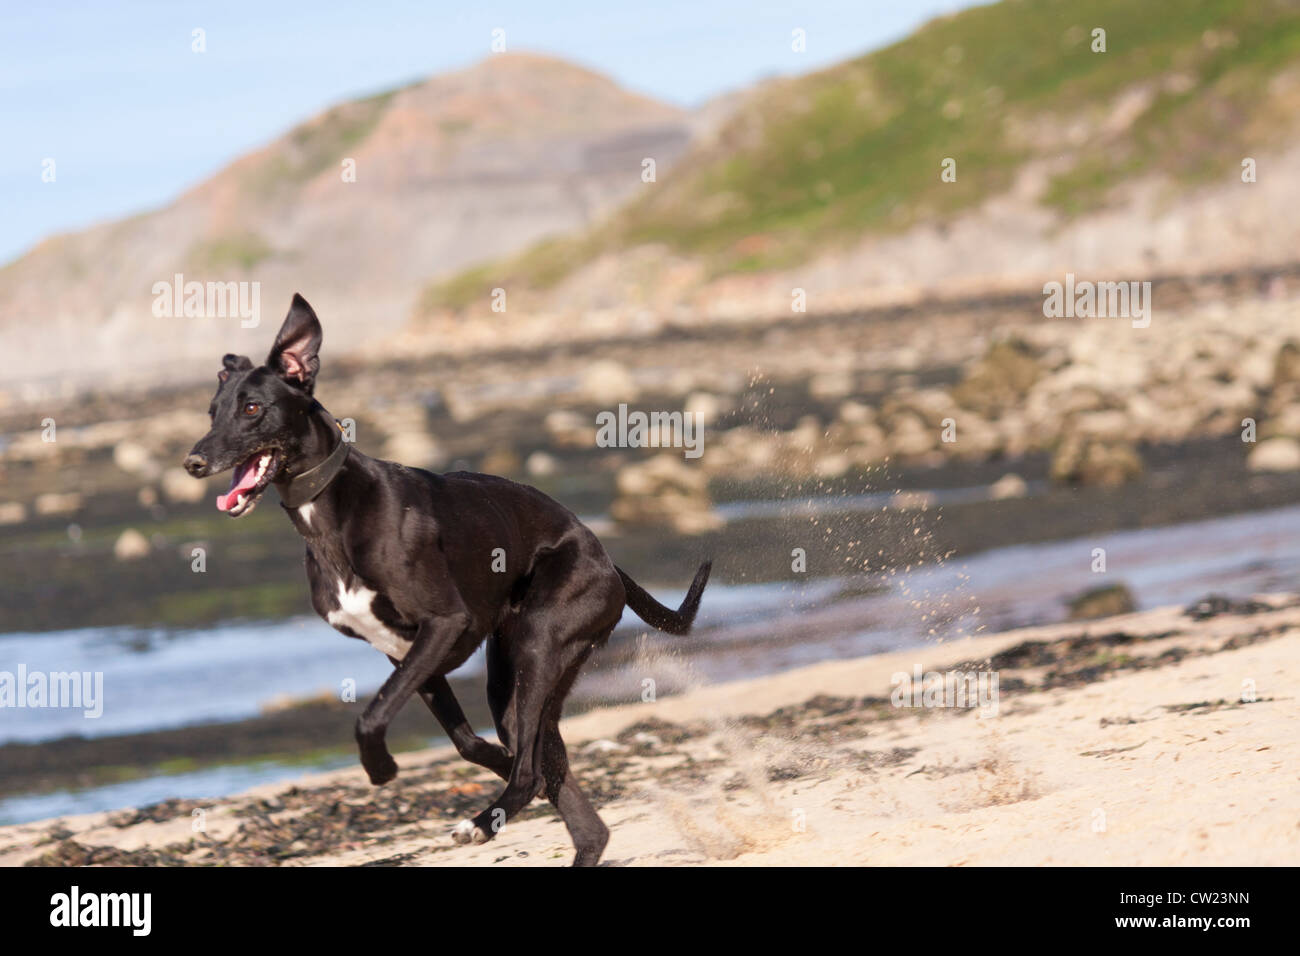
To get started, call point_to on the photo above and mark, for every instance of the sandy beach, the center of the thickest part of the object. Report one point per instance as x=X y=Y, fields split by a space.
x=1158 y=738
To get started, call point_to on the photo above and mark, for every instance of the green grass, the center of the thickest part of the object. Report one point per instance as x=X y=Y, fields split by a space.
x=269 y=602
x=242 y=251
x=856 y=149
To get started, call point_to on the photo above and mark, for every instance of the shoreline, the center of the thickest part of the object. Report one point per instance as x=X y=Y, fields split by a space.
x=1134 y=724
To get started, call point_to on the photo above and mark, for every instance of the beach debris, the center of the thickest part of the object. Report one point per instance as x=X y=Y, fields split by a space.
x=1215 y=604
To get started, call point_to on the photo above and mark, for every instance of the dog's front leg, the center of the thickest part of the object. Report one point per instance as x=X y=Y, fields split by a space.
x=433 y=640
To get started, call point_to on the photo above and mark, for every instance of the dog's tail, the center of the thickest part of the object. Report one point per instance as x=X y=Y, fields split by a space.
x=665 y=618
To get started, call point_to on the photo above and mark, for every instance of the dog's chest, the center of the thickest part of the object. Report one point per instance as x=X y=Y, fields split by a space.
x=356 y=616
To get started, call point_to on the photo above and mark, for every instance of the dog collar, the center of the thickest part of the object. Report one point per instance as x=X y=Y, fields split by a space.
x=300 y=489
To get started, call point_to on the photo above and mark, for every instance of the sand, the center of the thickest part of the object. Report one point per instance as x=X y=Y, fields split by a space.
x=1124 y=741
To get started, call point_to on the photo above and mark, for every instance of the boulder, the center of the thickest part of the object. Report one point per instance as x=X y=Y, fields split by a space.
x=131 y=545
x=1092 y=460
x=1105 y=601
x=608 y=383
x=53 y=503
x=177 y=485
x=1275 y=454
x=1009 y=485
x=664 y=490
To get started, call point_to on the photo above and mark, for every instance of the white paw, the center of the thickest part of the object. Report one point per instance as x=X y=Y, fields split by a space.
x=465 y=832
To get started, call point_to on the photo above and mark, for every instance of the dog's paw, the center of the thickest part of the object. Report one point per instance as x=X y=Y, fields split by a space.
x=382 y=772
x=465 y=832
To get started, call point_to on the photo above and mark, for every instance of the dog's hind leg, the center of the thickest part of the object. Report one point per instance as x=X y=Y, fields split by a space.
x=586 y=829
x=525 y=691
x=518 y=707
x=531 y=663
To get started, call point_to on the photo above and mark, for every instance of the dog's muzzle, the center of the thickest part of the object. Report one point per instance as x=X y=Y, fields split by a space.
x=196 y=465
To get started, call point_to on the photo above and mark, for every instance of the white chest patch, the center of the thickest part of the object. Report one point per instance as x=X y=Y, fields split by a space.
x=355 y=613
x=305 y=513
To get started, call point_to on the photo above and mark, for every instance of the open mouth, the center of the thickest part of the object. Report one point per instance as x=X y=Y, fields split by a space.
x=248 y=482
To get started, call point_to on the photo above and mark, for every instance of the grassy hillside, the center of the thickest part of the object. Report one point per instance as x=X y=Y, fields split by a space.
x=1185 y=87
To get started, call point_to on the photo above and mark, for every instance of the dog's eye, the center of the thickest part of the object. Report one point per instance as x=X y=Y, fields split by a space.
x=252 y=408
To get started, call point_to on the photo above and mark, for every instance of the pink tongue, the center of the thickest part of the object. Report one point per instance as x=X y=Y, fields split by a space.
x=245 y=477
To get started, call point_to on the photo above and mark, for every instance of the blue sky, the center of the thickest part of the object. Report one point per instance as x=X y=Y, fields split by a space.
x=131 y=116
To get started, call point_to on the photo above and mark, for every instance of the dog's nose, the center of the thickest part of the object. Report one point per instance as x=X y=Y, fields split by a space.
x=196 y=465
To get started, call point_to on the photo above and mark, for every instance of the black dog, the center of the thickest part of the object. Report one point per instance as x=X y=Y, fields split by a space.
x=426 y=567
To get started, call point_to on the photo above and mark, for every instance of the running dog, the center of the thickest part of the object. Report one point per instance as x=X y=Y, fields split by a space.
x=426 y=568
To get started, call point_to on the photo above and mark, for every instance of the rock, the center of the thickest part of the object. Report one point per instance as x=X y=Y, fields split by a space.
x=177 y=485
x=130 y=545
x=568 y=429
x=1286 y=364
x=707 y=408
x=831 y=384
x=1285 y=422
x=541 y=465
x=1001 y=379
x=856 y=413
x=664 y=491
x=135 y=460
x=501 y=460
x=52 y=503
x=608 y=383
x=603 y=746
x=1091 y=460
x=833 y=465
x=415 y=448
x=1275 y=454
x=1008 y=486
x=1104 y=601
x=911 y=437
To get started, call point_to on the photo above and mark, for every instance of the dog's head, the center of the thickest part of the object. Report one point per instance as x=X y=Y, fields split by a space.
x=260 y=415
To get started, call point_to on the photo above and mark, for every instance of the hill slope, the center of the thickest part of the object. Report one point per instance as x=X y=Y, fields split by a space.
x=449 y=171
x=1014 y=92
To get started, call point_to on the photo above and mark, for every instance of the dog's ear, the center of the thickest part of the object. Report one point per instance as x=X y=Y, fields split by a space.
x=296 y=352
x=233 y=363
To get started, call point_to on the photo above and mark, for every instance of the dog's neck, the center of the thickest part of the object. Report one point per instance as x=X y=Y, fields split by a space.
x=320 y=457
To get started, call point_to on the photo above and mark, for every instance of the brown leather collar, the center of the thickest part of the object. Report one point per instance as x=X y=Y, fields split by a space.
x=301 y=489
